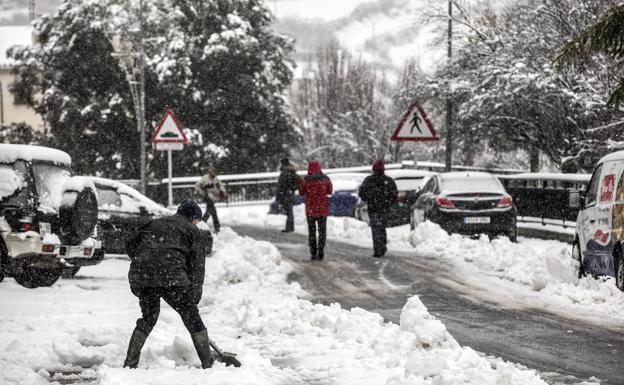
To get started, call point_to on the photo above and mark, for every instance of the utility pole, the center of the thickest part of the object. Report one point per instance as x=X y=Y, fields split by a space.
x=31 y=10
x=141 y=117
x=449 y=101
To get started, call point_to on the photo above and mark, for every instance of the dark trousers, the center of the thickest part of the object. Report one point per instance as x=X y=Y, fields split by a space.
x=287 y=204
x=316 y=248
x=180 y=298
x=211 y=210
x=378 y=223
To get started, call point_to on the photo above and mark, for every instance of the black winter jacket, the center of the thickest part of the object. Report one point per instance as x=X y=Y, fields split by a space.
x=379 y=191
x=287 y=184
x=168 y=251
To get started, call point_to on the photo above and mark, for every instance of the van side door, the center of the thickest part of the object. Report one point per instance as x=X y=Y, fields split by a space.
x=586 y=218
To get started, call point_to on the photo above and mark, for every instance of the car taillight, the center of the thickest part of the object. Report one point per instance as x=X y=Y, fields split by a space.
x=400 y=198
x=505 y=201
x=444 y=203
x=26 y=226
x=47 y=248
x=87 y=251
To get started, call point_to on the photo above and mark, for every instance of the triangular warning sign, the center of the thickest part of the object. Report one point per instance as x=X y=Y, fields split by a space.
x=414 y=126
x=169 y=130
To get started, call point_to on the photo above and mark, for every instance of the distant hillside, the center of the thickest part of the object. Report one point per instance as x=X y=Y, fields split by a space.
x=384 y=31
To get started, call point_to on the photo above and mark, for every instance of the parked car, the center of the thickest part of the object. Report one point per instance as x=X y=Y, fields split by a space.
x=121 y=210
x=47 y=216
x=467 y=203
x=598 y=243
x=343 y=200
x=408 y=183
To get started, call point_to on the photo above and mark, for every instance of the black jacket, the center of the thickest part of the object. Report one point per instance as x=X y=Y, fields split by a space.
x=168 y=251
x=379 y=191
x=287 y=184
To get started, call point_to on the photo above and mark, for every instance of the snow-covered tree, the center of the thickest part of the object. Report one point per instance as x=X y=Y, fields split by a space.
x=342 y=106
x=216 y=63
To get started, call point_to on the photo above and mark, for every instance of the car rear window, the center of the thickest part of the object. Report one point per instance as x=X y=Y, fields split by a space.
x=408 y=184
x=471 y=184
x=49 y=181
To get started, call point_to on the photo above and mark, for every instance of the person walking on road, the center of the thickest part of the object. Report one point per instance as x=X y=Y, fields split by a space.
x=379 y=191
x=209 y=189
x=315 y=188
x=287 y=184
x=168 y=261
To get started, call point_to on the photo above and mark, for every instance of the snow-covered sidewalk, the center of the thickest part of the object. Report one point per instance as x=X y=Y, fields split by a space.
x=531 y=273
x=84 y=324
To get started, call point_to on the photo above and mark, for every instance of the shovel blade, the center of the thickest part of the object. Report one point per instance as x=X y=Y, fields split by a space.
x=229 y=359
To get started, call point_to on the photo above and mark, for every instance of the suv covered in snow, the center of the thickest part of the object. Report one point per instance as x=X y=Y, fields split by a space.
x=47 y=216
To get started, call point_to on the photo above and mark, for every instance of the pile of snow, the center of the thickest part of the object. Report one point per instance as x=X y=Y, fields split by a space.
x=83 y=326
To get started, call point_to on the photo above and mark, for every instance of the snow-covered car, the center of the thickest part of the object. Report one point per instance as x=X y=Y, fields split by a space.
x=467 y=203
x=121 y=210
x=408 y=183
x=47 y=216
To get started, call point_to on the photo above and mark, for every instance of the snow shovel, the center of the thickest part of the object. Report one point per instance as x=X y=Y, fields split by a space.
x=228 y=359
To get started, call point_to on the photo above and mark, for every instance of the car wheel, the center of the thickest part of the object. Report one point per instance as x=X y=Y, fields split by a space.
x=32 y=276
x=70 y=271
x=576 y=254
x=513 y=236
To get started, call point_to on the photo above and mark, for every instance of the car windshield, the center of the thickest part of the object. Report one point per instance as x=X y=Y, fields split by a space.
x=407 y=184
x=470 y=184
x=49 y=180
x=13 y=183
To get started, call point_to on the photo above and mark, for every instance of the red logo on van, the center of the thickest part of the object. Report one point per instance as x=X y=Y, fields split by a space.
x=601 y=237
x=608 y=184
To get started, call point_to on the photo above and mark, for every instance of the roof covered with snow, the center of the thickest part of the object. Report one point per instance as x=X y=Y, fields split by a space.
x=9 y=153
x=11 y=36
x=618 y=155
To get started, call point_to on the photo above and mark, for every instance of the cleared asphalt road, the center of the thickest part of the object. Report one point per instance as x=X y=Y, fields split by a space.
x=564 y=351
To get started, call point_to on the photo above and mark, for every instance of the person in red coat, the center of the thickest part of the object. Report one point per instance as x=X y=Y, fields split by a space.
x=315 y=188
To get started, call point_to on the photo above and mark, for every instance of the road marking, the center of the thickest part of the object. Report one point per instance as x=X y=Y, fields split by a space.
x=383 y=278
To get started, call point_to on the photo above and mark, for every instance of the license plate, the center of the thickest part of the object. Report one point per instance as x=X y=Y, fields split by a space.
x=71 y=251
x=472 y=220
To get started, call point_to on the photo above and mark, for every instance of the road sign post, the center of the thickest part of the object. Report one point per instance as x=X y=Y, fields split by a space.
x=170 y=137
x=414 y=126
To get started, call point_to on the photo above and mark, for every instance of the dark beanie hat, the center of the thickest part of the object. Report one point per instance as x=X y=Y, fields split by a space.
x=189 y=208
x=284 y=162
x=378 y=165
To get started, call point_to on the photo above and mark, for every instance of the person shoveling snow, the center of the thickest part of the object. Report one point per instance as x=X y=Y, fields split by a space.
x=168 y=261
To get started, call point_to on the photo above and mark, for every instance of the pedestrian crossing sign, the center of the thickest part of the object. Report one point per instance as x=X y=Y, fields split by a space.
x=414 y=125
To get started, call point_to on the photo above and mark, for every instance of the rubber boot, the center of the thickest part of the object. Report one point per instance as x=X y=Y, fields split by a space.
x=202 y=345
x=134 y=349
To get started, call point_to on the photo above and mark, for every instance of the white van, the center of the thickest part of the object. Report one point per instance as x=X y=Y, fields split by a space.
x=600 y=223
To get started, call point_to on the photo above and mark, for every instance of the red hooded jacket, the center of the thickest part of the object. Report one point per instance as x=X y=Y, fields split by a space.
x=315 y=188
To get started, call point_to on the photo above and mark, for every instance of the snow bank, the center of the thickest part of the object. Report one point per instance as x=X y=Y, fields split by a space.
x=249 y=308
x=543 y=266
